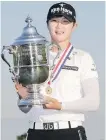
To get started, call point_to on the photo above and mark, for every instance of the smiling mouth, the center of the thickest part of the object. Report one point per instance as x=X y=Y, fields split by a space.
x=59 y=32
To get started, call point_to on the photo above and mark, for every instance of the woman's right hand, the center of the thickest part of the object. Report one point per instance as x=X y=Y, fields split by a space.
x=22 y=91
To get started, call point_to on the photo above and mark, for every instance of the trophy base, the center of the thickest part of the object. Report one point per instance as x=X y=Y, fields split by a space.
x=30 y=102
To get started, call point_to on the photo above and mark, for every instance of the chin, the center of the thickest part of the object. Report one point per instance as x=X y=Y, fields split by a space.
x=58 y=40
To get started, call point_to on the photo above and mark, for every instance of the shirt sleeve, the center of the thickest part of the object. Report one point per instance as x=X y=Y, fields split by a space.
x=88 y=67
x=90 y=87
x=90 y=100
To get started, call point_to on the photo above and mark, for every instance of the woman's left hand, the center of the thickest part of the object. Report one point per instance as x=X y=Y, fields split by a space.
x=52 y=103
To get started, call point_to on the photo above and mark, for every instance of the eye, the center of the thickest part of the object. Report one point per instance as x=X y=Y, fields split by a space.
x=53 y=20
x=65 y=21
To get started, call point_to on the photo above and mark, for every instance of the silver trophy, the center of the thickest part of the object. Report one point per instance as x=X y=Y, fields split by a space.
x=31 y=65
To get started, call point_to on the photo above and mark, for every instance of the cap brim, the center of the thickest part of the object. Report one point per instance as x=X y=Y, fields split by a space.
x=71 y=18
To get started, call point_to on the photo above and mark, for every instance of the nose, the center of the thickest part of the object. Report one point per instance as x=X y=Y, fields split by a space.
x=58 y=24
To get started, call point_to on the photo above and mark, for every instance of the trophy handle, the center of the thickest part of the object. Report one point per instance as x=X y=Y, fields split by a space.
x=7 y=48
x=3 y=52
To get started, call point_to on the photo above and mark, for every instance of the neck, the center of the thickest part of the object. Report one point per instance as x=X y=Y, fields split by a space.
x=63 y=45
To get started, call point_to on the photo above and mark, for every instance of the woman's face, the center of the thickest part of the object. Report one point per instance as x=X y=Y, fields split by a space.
x=60 y=29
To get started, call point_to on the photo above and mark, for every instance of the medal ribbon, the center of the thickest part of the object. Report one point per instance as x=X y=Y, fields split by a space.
x=61 y=62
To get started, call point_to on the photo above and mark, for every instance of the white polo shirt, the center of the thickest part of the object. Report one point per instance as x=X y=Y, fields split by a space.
x=67 y=88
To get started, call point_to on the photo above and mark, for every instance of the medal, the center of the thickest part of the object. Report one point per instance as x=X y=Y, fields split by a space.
x=49 y=90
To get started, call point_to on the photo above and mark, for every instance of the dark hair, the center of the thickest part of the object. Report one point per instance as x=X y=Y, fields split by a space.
x=73 y=20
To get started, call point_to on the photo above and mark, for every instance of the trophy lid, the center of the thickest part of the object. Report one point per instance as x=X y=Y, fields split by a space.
x=29 y=35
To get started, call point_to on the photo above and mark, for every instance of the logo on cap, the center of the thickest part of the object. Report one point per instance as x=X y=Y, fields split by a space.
x=61 y=9
x=61 y=4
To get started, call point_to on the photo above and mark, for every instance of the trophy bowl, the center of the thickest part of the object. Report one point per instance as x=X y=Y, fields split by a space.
x=30 y=63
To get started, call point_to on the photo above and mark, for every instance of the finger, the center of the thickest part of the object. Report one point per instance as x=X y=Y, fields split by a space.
x=17 y=86
x=49 y=99
x=49 y=106
x=54 y=48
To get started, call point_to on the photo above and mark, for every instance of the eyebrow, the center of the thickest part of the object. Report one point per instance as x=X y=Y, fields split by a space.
x=59 y=17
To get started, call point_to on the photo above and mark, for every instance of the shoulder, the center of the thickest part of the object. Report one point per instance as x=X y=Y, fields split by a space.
x=83 y=55
x=80 y=52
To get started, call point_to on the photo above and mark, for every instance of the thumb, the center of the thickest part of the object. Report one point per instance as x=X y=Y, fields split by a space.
x=50 y=105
